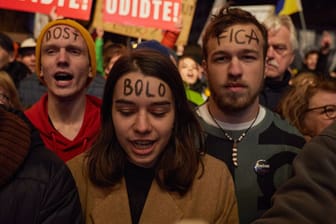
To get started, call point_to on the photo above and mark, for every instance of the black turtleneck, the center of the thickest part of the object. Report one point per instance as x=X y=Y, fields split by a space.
x=273 y=91
x=138 y=182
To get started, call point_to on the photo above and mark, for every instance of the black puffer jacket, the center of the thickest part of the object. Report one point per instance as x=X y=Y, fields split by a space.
x=40 y=189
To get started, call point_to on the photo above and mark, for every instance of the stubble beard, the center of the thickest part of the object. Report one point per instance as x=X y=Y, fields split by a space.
x=230 y=102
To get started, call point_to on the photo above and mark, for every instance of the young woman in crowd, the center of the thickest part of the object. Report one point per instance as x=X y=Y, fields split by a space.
x=310 y=105
x=148 y=164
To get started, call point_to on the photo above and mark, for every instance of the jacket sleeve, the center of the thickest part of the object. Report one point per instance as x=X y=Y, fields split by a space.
x=308 y=197
x=169 y=38
x=60 y=202
x=99 y=43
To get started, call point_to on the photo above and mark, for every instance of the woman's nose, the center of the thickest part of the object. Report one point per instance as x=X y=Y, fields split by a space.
x=142 y=123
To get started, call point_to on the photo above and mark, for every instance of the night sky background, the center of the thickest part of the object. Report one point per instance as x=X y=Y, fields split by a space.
x=319 y=15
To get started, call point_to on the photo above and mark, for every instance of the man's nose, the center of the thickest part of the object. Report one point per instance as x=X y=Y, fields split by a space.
x=235 y=67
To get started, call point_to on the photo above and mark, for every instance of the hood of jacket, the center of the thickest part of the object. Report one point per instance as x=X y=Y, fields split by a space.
x=15 y=139
x=55 y=141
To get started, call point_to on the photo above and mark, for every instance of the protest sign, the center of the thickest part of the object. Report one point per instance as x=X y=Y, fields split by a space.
x=146 y=13
x=123 y=27
x=76 y=9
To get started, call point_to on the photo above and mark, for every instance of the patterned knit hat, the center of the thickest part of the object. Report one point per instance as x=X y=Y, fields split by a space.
x=85 y=34
x=14 y=144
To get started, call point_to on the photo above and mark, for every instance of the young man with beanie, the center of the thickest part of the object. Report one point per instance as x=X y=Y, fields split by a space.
x=35 y=185
x=68 y=119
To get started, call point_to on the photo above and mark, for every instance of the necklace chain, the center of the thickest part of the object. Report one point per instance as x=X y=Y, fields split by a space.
x=235 y=141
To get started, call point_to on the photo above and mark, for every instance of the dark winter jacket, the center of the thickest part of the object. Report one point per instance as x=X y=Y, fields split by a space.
x=35 y=185
x=309 y=196
x=58 y=143
x=273 y=91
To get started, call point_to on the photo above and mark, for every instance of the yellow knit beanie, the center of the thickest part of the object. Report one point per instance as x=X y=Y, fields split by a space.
x=84 y=32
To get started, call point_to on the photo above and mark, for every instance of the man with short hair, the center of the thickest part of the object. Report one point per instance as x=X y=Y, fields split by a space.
x=282 y=44
x=255 y=143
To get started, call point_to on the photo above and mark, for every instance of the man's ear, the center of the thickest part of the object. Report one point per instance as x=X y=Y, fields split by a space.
x=90 y=73
x=41 y=76
x=41 y=73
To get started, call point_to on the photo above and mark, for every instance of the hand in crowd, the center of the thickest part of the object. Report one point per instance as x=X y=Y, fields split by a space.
x=100 y=32
x=53 y=14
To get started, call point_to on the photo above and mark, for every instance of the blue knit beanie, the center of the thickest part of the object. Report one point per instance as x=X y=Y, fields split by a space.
x=155 y=45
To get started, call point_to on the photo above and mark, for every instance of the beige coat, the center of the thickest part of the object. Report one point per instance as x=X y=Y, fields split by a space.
x=211 y=199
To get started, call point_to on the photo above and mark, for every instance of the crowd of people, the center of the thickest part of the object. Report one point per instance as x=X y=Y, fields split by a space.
x=94 y=131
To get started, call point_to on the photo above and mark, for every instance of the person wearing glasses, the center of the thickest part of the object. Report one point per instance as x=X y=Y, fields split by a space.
x=310 y=105
x=282 y=44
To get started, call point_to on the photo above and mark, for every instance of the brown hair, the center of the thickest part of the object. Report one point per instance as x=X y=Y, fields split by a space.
x=227 y=17
x=112 y=49
x=8 y=85
x=179 y=162
x=294 y=105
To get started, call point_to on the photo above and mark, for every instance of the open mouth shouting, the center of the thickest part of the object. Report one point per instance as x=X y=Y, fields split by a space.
x=63 y=79
x=142 y=147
